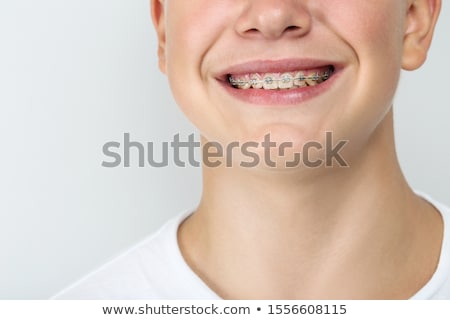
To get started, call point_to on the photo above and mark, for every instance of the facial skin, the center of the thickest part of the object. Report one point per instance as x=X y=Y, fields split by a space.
x=356 y=233
x=369 y=41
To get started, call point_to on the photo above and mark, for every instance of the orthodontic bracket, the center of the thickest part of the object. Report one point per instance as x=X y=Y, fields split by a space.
x=285 y=79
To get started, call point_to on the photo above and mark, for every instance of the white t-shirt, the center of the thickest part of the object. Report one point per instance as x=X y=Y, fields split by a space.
x=155 y=269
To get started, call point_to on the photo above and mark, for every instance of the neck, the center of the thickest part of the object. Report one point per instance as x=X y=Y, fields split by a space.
x=268 y=235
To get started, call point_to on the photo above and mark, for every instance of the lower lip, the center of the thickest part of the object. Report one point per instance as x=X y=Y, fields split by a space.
x=280 y=98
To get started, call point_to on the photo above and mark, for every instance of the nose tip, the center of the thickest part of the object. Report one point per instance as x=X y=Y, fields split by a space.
x=273 y=19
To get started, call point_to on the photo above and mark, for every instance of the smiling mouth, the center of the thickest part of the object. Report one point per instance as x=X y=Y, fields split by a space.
x=281 y=80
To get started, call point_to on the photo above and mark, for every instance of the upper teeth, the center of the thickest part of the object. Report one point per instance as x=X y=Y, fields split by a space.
x=274 y=81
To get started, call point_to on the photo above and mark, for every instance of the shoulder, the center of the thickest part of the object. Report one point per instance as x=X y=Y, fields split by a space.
x=438 y=288
x=142 y=272
x=444 y=264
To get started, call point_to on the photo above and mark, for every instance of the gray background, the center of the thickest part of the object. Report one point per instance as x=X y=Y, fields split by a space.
x=76 y=74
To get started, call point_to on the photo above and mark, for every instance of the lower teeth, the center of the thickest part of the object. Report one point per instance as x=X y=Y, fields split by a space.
x=284 y=82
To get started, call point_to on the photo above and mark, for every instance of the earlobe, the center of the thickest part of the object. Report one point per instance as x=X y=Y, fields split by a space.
x=157 y=11
x=421 y=20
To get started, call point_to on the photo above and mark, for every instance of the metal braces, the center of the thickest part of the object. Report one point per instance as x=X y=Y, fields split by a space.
x=285 y=79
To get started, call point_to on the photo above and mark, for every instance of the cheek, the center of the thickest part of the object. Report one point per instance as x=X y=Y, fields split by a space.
x=192 y=27
x=373 y=30
x=372 y=25
x=377 y=38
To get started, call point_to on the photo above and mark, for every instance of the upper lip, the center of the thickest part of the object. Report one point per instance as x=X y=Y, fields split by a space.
x=273 y=66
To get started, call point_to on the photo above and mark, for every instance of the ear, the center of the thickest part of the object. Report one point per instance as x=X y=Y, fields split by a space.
x=157 y=9
x=421 y=19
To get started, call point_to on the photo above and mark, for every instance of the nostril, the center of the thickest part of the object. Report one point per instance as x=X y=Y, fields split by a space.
x=292 y=28
x=253 y=31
